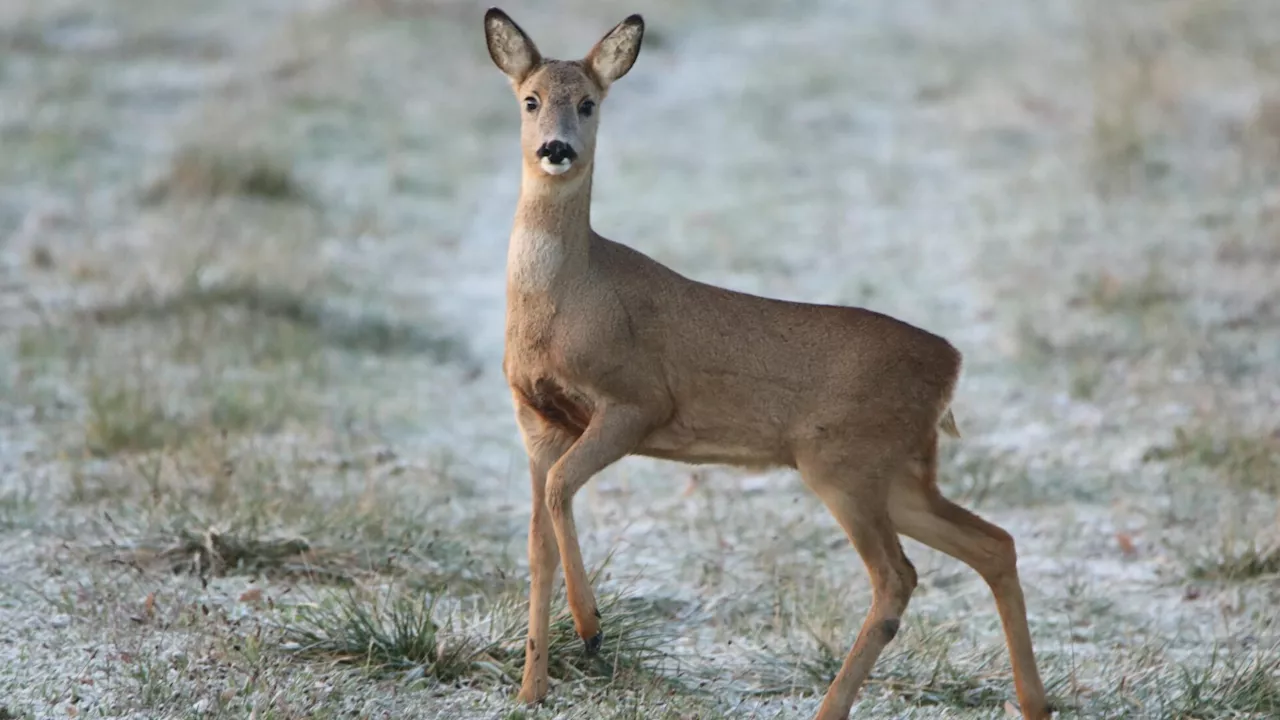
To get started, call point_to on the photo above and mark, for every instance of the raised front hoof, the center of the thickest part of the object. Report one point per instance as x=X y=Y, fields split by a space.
x=1036 y=711
x=826 y=713
x=590 y=632
x=1043 y=712
x=593 y=643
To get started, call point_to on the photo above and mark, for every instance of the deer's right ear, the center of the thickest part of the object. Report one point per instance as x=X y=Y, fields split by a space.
x=511 y=49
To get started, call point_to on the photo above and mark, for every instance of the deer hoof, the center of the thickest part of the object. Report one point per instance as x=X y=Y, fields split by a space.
x=593 y=643
x=532 y=694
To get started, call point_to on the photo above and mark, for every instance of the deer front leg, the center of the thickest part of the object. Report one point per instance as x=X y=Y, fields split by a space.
x=613 y=432
x=544 y=445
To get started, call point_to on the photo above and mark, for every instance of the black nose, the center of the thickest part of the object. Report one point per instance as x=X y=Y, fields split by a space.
x=557 y=151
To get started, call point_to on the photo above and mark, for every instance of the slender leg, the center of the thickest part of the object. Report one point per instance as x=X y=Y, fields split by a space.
x=614 y=432
x=545 y=446
x=859 y=505
x=919 y=511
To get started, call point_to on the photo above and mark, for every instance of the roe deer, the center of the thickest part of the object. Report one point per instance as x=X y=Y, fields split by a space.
x=610 y=353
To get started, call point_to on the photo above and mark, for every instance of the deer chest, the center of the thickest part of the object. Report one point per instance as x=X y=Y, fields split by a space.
x=542 y=366
x=564 y=357
x=555 y=404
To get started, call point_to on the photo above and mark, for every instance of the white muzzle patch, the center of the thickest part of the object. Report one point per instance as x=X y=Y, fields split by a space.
x=551 y=168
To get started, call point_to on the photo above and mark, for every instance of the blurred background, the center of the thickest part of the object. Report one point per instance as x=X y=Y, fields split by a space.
x=253 y=425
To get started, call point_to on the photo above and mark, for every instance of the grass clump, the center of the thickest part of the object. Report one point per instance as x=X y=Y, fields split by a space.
x=240 y=551
x=1242 y=460
x=361 y=333
x=920 y=671
x=221 y=505
x=1235 y=564
x=217 y=553
x=1232 y=685
x=634 y=637
x=208 y=173
x=407 y=631
x=126 y=414
x=394 y=632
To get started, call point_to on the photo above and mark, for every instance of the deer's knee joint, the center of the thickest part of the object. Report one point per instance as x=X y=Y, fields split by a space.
x=889 y=628
x=559 y=496
x=1001 y=559
x=556 y=499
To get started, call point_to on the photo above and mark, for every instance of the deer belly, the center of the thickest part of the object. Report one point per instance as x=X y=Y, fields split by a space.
x=720 y=445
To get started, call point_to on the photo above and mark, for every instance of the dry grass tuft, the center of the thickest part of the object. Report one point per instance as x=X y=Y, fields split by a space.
x=219 y=506
x=204 y=173
x=1235 y=563
x=126 y=414
x=356 y=333
x=1242 y=460
x=921 y=668
x=218 y=554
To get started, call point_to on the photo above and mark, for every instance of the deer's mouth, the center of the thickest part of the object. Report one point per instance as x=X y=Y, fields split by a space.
x=553 y=168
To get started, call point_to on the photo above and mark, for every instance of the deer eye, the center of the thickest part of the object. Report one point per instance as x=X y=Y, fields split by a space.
x=531 y=103
x=586 y=107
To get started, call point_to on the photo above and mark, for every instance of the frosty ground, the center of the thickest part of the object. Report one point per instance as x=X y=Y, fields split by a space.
x=257 y=458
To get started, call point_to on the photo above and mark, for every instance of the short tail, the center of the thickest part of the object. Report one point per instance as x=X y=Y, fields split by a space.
x=948 y=424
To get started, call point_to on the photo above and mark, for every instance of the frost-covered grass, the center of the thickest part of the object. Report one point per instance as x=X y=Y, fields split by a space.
x=256 y=453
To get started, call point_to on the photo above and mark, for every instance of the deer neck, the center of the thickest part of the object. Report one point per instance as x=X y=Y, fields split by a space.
x=551 y=235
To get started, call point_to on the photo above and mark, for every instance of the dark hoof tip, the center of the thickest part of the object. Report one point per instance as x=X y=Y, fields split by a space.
x=593 y=644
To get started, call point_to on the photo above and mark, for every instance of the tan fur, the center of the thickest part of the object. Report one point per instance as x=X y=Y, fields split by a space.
x=610 y=353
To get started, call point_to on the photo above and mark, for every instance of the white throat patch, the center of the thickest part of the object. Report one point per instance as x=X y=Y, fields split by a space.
x=533 y=259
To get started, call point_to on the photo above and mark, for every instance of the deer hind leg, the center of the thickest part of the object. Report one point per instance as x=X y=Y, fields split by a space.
x=613 y=433
x=544 y=445
x=858 y=498
x=921 y=512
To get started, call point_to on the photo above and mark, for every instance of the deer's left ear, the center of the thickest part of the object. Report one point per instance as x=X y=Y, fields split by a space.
x=617 y=51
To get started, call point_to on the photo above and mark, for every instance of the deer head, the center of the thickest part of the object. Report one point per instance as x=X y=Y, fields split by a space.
x=560 y=99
